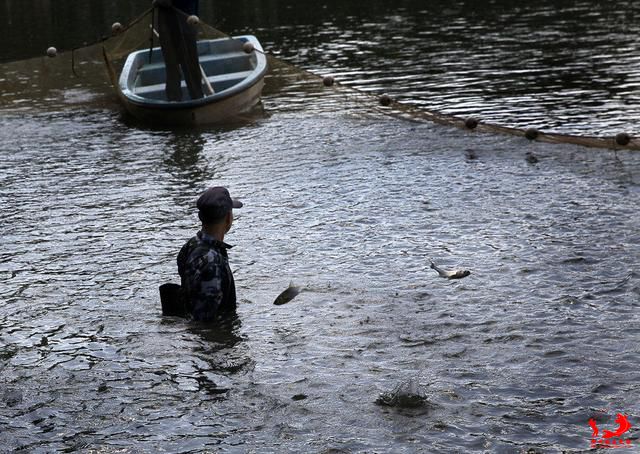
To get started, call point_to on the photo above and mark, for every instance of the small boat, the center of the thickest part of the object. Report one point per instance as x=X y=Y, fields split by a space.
x=233 y=81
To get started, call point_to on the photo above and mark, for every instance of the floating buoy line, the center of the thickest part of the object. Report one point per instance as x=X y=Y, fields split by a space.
x=383 y=102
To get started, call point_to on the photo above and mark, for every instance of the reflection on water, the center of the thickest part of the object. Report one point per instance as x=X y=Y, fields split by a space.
x=185 y=160
x=220 y=353
x=350 y=205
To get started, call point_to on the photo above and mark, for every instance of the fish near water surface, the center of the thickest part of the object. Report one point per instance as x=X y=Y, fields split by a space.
x=287 y=295
x=453 y=274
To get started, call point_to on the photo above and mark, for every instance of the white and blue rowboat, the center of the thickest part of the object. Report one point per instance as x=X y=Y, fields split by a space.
x=233 y=81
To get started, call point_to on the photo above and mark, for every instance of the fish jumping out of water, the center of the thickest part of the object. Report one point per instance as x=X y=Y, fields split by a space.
x=454 y=274
x=287 y=295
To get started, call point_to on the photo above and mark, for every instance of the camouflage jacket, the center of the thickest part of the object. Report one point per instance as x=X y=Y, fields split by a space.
x=207 y=280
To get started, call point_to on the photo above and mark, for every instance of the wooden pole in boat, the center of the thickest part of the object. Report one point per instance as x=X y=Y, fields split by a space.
x=206 y=80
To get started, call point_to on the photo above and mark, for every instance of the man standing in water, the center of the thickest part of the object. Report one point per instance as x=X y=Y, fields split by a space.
x=179 y=48
x=203 y=265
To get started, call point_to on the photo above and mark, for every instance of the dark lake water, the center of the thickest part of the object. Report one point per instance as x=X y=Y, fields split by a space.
x=350 y=204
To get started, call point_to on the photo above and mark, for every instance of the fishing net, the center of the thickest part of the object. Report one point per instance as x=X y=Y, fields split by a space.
x=89 y=75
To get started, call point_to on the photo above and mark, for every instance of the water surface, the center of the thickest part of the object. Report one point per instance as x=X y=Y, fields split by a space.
x=349 y=204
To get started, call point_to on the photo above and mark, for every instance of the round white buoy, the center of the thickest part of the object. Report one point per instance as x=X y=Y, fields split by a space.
x=52 y=51
x=247 y=47
x=471 y=123
x=193 y=20
x=623 y=138
x=116 y=28
x=328 y=81
x=531 y=133
x=385 y=100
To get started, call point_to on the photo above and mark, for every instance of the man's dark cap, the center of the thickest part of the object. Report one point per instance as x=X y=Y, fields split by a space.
x=216 y=202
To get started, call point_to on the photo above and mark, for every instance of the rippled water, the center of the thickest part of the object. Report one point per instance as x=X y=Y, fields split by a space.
x=349 y=204
x=569 y=67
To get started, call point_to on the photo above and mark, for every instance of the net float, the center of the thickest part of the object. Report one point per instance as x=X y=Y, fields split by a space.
x=531 y=133
x=471 y=122
x=623 y=138
x=385 y=100
x=247 y=47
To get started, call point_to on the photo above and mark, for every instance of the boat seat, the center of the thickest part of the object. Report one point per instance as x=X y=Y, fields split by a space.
x=203 y=59
x=220 y=82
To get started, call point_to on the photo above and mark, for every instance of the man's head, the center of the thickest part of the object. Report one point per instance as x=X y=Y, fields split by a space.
x=215 y=207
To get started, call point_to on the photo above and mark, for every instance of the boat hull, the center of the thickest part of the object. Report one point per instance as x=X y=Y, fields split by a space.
x=216 y=112
x=237 y=79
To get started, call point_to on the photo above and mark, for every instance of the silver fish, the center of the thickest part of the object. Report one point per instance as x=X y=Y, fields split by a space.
x=290 y=293
x=454 y=274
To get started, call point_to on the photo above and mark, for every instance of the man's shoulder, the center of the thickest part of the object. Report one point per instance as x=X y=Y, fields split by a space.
x=197 y=248
x=187 y=247
x=191 y=242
